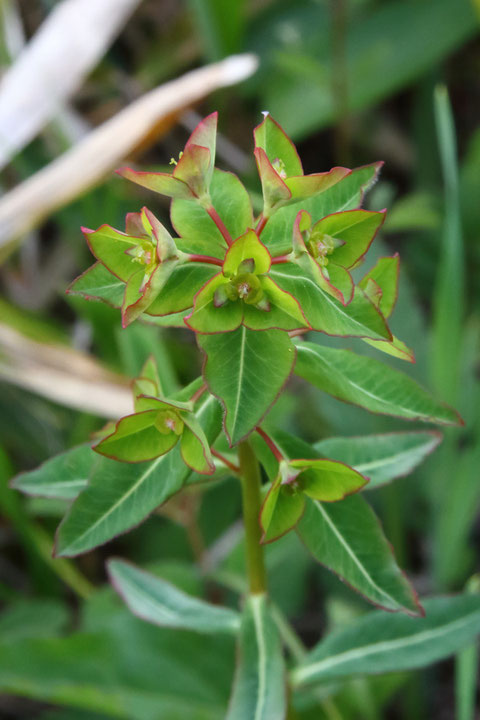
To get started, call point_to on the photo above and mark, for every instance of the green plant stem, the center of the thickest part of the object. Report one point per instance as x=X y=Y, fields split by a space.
x=298 y=652
x=250 y=477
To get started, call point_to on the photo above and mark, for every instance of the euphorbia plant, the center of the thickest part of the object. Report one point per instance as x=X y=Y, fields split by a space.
x=250 y=289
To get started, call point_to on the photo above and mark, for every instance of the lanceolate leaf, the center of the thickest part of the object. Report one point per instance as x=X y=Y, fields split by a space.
x=369 y=383
x=347 y=538
x=246 y=370
x=63 y=477
x=347 y=194
x=381 y=457
x=121 y=495
x=259 y=686
x=159 y=602
x=326 y=314
x=378 y=643
x=97 y=283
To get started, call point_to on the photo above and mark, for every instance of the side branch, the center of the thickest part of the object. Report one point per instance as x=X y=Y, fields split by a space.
x=205 y=259
x=220 y=224
x=271 y=444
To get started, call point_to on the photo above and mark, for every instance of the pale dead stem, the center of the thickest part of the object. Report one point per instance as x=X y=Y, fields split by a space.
x=66 y=376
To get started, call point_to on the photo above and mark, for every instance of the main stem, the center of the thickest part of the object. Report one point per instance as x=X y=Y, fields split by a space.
x=250 y=476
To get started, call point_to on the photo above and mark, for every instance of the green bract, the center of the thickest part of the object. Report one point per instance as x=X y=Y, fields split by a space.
x=143 y=257
x=156 y=427
x=324 y=480
x=244 y=294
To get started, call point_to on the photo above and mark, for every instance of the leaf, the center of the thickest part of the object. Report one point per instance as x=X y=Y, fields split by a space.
x=26 y=618
x=247 y=247
x=327 y=480
x=246 y=370
x=326 y=314
x=129 y=670
x=63 y=476
x=355 y=228
x=97 y=283
x=136 y=438
x=274 y=190
x=194 y=447
x=121 y=495
x=369 y=383
x=378 y=643
x=181 y=287
x=381 y=457
x=347 y=538
x=277 y=145
x=347 y=194
x=197 y=232
x=280 y=511
x=395 y=347
x=385 y=275
x=161 y=603
x=259 y=686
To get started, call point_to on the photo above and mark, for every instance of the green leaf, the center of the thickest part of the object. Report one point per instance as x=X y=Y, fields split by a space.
x=121 y=495
x=369 y=383
x=379 y=643
x=277 y=145
x=326 y=314
x=109 y=246
x=381 y=457
x=194 y=447
x=356 y=229
x=274 y=190
x=326 y=480
x=162 y=183
x=395 y=348
x=385 y=276
x=246 y=370
x=347 y=194
x=29 y=618
x=139 y=297
x=198 y=232
x=63 y=476
x=347 y=538
x=280 y=511
x=123 y=668
x=159 y=602
x=259 y=687
x=181 y=287
x=207 y=316
x=247 y=247
x=136 y=438
x=97 y=283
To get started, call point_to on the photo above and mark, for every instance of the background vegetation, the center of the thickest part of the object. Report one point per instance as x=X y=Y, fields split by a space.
x=352 y=82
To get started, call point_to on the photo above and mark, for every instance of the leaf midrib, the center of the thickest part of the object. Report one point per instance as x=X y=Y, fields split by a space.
x=302 y=674
x=354 y=558
x=363 y=391
x=240 y=381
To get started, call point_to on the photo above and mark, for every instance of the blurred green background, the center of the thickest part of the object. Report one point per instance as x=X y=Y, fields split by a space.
x=352 y=81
